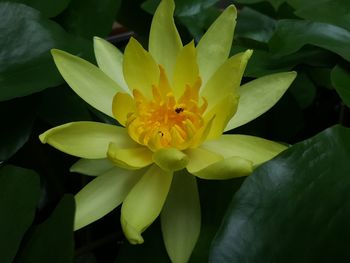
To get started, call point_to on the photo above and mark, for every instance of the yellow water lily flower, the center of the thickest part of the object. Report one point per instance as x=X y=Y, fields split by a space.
x=174 y=103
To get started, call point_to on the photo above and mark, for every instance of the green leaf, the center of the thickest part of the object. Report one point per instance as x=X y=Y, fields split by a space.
x=275 y=3
x=329 y=11
x=26 y=38
x=303 y=90
x=197 y=24
x=15 y=127
x=183 y=7
x=263 y=63
x=19 y=194
x=89 y=18
x=291 y=35
x=341 y=82
x=52 y=241
x=47 y=8
x=254 y=25
x=294 y=208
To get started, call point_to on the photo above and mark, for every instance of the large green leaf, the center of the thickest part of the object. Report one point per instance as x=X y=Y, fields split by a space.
x=26 y=65
x=303 y=90
x=254 y=25
x=19 y=194
x=292 y=34
x=294 y=208
x=89 y=18
x=52 y=241
x=47 y=8
x=329 y=11
x=263 y=63
x=16 y=125
x=341 y=81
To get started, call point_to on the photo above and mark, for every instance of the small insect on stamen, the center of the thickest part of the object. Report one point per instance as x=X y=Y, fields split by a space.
x=178 y=110
x=161 y=133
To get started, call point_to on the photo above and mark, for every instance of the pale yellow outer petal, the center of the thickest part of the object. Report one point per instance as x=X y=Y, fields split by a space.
x=255 y=149
x=258 y=96
x=207 y=164
x=199 y=158
x=134 y=157
x=181 y=218
x=226 y=79
x=87 y=80
x=164 y=40
x=103 y=194
x=139 y=68
x=215 y=45
x=226 y=169
x=123 y=104
x=144 y=203
x=110 y=61
x=186 y=69
x=86 y=139
x=92 y=167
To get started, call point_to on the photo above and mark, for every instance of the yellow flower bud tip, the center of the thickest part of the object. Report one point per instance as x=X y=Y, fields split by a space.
x=165 y=121
x=170 y=159
x=133 y=235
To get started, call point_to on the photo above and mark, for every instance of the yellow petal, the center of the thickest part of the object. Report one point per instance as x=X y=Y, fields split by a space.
x=93 y=167
x=259 y=95
x=255 y=149
x=86 y=139
x=164 y=40
x=110 y=61
x=200 y=158
x=87 y=80
x=130 y=158
x=140 y=69
x=144 y=203
x=170 y=159
x=186 y=69
x=215 y=45
x=226 y=169
x=103 y=194
x=226 y=79
x=181 y=217
x=123 y=104
x=222 y=113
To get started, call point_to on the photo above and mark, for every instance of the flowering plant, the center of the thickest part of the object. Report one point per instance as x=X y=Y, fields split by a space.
x=173 y=103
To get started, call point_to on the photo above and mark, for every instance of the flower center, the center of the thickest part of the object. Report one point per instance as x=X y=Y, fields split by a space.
x=164 y=121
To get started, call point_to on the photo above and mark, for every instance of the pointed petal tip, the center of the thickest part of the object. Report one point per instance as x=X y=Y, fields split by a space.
x=133 y=236
x=56 y=52
x=231 y=9
x=43 y=137
x=97 y=38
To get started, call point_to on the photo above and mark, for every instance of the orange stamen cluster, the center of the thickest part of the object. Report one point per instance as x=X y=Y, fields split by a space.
x=164 y=121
